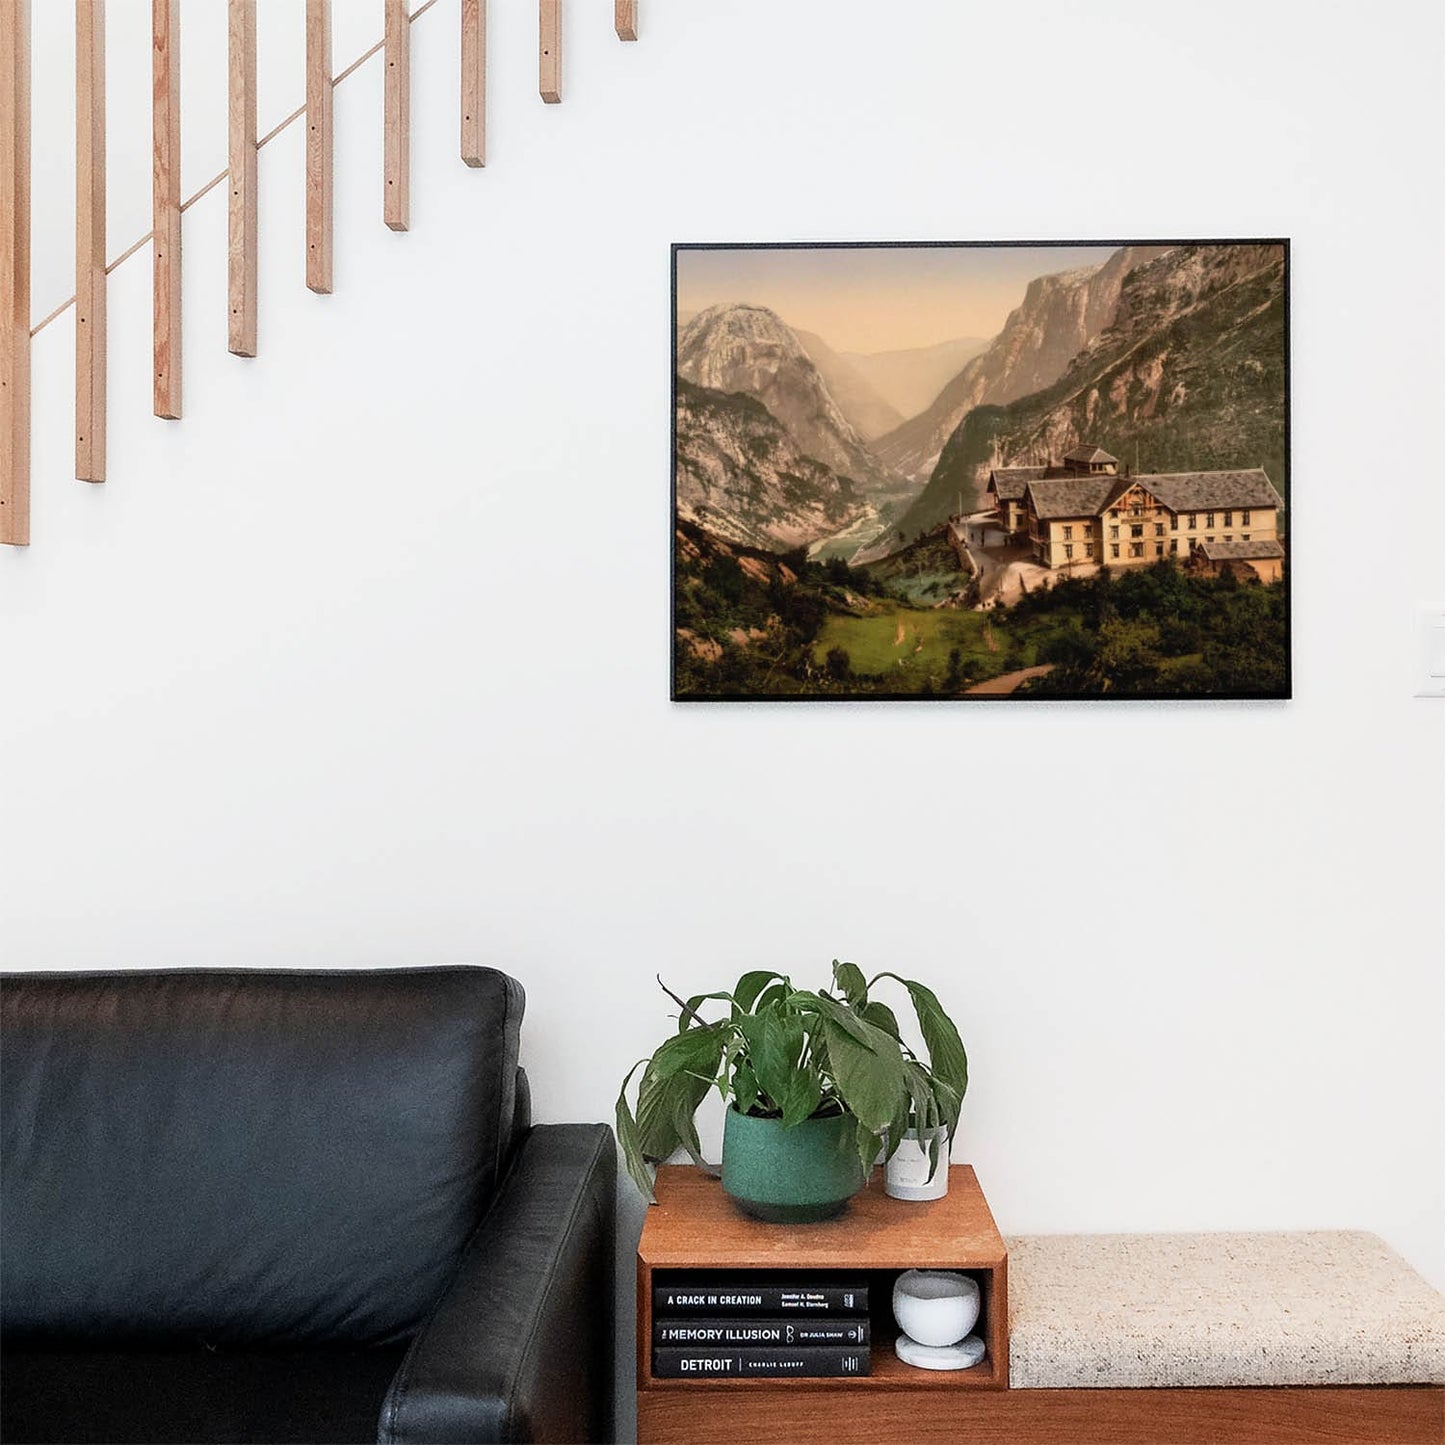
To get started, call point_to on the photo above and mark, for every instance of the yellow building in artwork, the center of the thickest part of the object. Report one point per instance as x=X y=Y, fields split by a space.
x=1085 y=513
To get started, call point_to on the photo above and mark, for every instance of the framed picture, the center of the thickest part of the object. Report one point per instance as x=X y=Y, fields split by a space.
x=981 y=471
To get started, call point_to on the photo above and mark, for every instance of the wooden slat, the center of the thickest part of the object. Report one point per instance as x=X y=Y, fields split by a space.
x=15 y=272
x=625 y=19
x=318 y=146
x=549 y=50
x=166 y=203
x=396 y=47
x=474 y=82
x=90 y=292
x=847 y=1412
x=243 y=216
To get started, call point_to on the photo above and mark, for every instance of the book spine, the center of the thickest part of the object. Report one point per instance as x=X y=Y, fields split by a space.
x=744 y=1299
x=803 y=1330
x=818 y=1361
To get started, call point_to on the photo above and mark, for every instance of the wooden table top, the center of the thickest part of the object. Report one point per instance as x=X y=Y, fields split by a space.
x=694 y=1225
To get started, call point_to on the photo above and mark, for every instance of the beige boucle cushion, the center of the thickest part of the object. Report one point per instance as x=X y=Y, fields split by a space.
x=1109 y=1310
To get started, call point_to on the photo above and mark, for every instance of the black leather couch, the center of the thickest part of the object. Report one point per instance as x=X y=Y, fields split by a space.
x=293 y=1206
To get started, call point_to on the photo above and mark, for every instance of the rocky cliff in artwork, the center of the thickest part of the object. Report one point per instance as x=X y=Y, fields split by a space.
x=1059 y=315
x=741 y=476
x=750 y=349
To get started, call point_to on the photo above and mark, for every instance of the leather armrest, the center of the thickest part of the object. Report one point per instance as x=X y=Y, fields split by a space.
x=520 y=1346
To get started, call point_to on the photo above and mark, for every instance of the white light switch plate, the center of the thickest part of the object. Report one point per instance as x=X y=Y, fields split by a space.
x=1432 y=655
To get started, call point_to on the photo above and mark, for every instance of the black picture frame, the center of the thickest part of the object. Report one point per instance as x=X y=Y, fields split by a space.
x=1280 y=687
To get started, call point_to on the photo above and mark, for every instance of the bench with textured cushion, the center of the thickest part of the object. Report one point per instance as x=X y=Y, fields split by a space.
x=1215 y=1337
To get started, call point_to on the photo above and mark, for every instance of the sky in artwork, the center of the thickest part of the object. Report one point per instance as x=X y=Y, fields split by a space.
x=877 y=298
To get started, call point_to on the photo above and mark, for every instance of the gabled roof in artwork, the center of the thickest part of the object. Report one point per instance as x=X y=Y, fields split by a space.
x=1055 y=497
x=1070 y=496
x=1204 y=491
x=1241 y=551
x=1090 y=456
x=1009 y=483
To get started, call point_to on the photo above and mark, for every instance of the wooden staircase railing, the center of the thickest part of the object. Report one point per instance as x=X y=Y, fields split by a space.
x=243 y=226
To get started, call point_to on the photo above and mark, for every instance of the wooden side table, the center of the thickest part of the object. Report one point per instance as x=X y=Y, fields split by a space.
x=695 y=1226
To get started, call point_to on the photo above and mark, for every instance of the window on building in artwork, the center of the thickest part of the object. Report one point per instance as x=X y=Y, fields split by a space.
x=1113 y=549
x=1244 y=519
x=1088 y=549
x=1178 y=546
x=1068 y=532
x=1193 y=521
x=1228 y=538
x=1069 y=550
x=1229 y=519
x=1136 y=549
x=1244 y=536
x=1209 y=539
x=1159 y=549
x=1158 y=529
x=1137 y=531
x=1173 y=521
x=1209 y=519
x=1113 y=533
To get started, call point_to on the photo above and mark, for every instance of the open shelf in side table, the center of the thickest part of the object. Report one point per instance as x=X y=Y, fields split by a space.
x=695 y=1227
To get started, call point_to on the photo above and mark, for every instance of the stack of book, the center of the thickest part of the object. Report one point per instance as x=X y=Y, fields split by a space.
x=747 y=1328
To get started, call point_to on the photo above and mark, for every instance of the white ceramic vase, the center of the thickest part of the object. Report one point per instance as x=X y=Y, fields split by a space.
x=905 y=1176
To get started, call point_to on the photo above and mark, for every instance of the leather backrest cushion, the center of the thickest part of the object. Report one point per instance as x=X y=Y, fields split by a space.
x=246 y=1156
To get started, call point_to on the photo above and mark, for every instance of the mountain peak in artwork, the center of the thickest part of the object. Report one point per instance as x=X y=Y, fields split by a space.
x=740 y=348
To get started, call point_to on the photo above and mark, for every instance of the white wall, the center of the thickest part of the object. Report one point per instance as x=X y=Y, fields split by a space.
x=365 y=661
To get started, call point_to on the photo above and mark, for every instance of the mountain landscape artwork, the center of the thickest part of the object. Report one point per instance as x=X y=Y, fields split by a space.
x=980 y=471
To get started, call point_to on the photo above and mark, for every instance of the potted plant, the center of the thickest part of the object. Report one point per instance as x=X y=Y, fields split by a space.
x=817 y=1082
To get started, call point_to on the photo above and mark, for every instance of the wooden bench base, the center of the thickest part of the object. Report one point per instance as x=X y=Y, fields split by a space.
x=1290 y=1415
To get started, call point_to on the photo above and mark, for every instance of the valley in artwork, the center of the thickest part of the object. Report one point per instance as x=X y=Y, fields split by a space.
x=974 y=471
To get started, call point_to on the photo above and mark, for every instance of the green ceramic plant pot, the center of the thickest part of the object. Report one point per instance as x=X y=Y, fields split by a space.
x=791 y=1176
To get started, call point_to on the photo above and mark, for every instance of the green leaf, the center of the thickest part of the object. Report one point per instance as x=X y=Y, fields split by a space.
x=839 y=1015
x=686 y=1014
x=881 y=1016
x=774 y=993
x=750 y=985
x=690 y=1018
x=660 y=1105
x=922 y=1107
x=867 y=1143
x=657 y=1136
x=629 y=1137
x=935 y=1153
x=775 y=1047
x=693 y=1051
x=869 y=1075
x=745 y=1087
x=946 y=1053
x=931 y=1100
x=684 y=1126
x=848 y=978
x=897 y=1126
x=949 y=1104
x=803 y=1095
